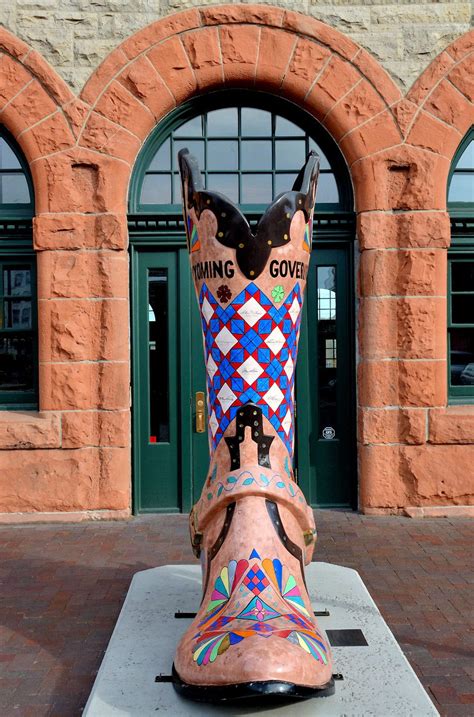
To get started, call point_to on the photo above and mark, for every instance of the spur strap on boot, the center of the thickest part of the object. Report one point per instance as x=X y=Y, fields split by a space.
x=255 y=635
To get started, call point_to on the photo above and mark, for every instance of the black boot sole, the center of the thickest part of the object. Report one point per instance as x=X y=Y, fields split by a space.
x=270 y=691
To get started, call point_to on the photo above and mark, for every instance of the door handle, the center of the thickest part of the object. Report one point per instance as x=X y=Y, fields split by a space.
x=200 y=412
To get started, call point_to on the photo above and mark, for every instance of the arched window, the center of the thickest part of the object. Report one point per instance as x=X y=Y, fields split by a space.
x=18 y=314
x=249 y=151
x=461 y=273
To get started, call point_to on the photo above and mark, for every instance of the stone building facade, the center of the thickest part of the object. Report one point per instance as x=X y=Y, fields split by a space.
x=83 y=86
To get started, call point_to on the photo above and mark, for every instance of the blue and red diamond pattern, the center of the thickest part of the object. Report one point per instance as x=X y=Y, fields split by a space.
x=256 y=580
x=251 y=348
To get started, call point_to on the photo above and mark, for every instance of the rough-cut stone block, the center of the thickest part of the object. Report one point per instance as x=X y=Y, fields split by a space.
x=84 y=330
x=105 y=136
x=274 y=54
x=454 y=424
x=404 y=177
x=79 y=231
x=462 y=46
x=13 y=77
x=396 y=476
x=172 y=64
x=335 y=81
x=122 y=108
x=409 y=328
x=202 y=47
x=462 y=76
x=77 y=386
x=409 y=272
x=143 y=81
x=33 y=104
x=19 y=430
x=82 y=274
x=376 y=134
x=404 y=383
x=358 y=106
x=12 y=45
x=378 y=76
x=404 y=112
x=51 y=81
x=409 y=229
x=392 y=425
x=95 y=428
x=430 y=77
x=321 y=32
x=160 y=30
x=448 y=104
x=432 y=134
x=55 y=479
x=115 y=478
x=53 y=134
x=110 y=67
x=252 y=14
x=239 y=47
x=79 y=181
x=307 y=61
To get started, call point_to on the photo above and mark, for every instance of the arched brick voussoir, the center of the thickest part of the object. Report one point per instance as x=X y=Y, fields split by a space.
x=170 y=60
x=451 y=106
x=274 y=53
x=358 y=106
x=433 y=134
x=124 y=109
x=375 y=135
x=12 y=45
x=13 y=78
x=204 y=55
x=307 y=62
x=325 y=34
x=51 y=135
x=462 y=77
x=84 y=178
x=142 y=80
x=335 y=81
x=54 y=85
x=239 y=47
x=403 y=177
x=109 y=138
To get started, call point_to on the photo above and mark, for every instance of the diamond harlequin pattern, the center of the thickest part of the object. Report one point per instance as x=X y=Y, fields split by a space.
x=250 y=357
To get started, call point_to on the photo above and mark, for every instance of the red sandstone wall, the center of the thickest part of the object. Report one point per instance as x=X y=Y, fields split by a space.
x=75 y=456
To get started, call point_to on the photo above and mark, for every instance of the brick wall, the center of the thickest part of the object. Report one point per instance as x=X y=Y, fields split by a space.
x=75 y=35
x=75 y=455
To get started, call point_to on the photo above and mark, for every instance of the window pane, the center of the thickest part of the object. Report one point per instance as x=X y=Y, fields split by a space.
x=327 y=190
x=323 y=162
x=256 y=188
x=16 y=363
x=462 y=357
x=222 y=155
x=284 y=128
x=17 y=315
x=461 y=188
x=15 y=189
x=462 y=308
x=193 y=128
x=8 y=159
x=462 y=276
x=290 y=154
x=162 y=159
x=256 y=122
x=327 y=351
x=227 y=184
x=222 y=123
x=17 y=281
x=466 y=160
x=195 y=146
x=284 y=182
x=158 y=350
x=156 y=189
x=256 y=154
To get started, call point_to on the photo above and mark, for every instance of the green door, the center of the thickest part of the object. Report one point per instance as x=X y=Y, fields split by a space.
x=325 y=380
x=171 y=452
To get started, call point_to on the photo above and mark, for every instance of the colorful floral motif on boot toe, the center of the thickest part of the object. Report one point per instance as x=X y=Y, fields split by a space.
x=272 y=607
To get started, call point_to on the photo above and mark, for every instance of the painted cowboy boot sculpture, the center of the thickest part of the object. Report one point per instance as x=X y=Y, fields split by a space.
x=255 y=634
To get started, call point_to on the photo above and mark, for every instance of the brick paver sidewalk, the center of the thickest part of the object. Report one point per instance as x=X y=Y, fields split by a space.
x=63 y=586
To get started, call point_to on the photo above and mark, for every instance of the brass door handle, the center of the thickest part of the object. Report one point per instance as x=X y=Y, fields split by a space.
x=200 y=412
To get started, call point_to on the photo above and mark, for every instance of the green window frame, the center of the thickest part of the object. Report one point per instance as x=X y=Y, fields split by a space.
x=171 y=135
x=18 y=304
x=460 y=320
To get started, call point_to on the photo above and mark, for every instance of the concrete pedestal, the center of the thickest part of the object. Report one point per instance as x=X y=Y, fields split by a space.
x=377 y=678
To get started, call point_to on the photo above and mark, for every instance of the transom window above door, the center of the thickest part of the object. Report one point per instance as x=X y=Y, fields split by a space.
x=249 y=153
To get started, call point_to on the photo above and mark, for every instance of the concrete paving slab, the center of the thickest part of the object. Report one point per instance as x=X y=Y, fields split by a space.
x=378 y=679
